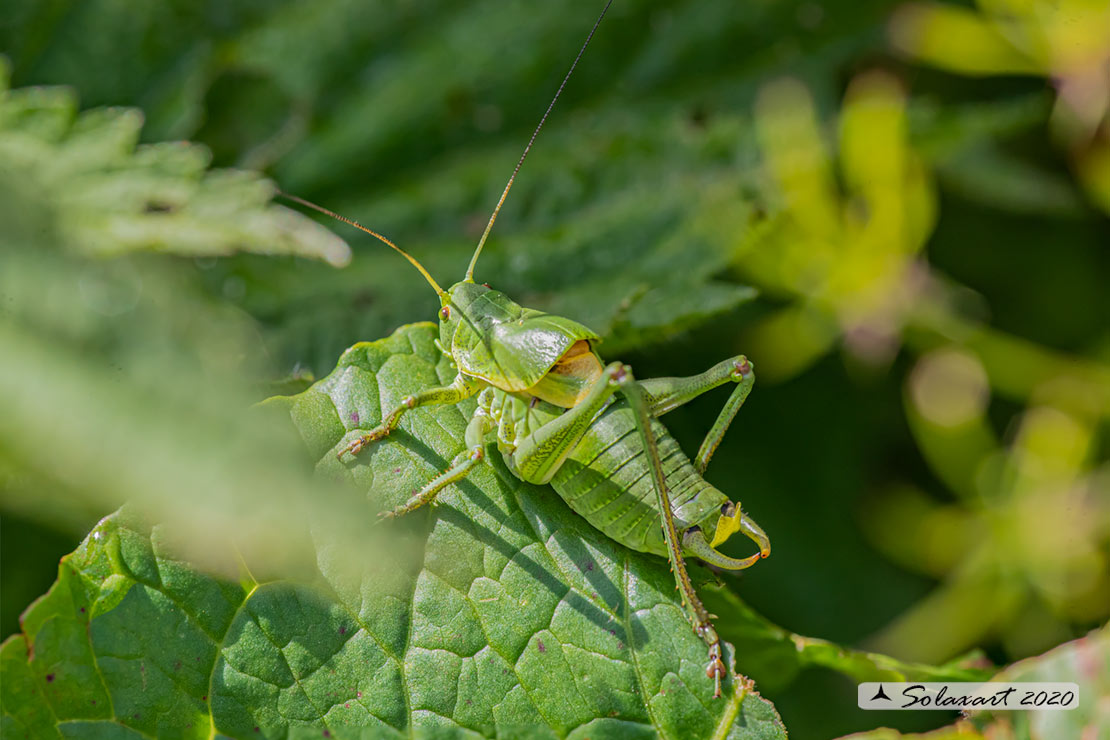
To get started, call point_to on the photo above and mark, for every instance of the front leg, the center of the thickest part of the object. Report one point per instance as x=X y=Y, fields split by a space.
x=462 y=387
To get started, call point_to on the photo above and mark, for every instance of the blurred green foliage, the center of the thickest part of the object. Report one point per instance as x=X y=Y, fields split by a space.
x=1068 y=42
x=927 y=444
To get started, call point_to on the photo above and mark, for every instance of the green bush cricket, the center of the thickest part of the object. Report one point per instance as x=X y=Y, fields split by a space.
x=561 y=416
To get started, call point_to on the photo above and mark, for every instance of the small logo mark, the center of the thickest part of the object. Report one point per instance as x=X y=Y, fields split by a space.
x=968 y=696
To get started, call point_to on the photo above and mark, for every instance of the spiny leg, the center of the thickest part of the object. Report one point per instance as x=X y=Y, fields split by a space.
x=703 y=627
x=667 y=394
x=733 y=519
x=744 y=376
x=480 y=425
x=462 y=387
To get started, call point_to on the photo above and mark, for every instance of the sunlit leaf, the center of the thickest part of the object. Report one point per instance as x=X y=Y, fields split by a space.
x=500 y=611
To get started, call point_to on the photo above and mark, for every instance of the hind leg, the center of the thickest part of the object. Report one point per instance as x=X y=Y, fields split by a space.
x=699 y=616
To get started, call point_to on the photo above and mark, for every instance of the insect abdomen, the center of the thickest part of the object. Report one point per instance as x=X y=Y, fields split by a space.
x=607 y=481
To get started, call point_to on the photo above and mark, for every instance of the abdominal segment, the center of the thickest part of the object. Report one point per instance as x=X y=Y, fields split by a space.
x=606 y=479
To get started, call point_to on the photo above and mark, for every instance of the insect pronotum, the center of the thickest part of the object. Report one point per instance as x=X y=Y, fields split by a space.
x=561 y=416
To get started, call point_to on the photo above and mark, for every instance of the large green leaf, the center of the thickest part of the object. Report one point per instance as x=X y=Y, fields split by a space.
x=500 y=612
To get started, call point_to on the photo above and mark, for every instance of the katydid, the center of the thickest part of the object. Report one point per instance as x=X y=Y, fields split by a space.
x=561 y=416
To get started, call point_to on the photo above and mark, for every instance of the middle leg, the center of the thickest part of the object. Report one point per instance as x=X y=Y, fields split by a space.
x=462 y=387
x=476 y=430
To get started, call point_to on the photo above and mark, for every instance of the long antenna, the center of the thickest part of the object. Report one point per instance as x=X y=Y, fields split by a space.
x=371 y=232
x=474 y=260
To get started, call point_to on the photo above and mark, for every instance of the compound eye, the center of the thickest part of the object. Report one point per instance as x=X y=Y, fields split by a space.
x=445 y=313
